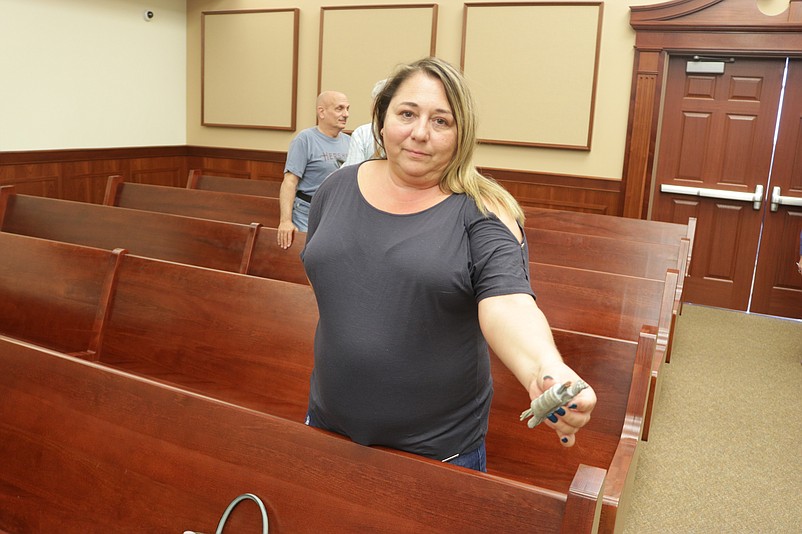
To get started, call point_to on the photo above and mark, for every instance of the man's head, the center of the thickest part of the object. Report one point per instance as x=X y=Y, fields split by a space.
x=332 y=112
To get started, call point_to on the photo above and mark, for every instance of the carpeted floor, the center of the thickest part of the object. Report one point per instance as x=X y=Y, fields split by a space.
x=725 y=450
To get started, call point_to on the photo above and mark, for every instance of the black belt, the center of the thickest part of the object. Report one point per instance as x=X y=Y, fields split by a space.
x=303 y=196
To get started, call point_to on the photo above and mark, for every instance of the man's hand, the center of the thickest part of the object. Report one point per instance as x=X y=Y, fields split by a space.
x=285 y=234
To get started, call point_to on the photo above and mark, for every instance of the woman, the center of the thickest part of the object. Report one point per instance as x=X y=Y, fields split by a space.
x=418 y=262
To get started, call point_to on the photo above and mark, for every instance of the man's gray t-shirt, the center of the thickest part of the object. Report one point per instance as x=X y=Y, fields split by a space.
x=400 y=360
x=313 y=155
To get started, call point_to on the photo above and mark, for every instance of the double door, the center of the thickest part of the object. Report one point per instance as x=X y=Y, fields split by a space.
x=730 y=154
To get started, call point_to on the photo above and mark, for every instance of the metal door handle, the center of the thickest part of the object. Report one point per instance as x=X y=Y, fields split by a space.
x=755 y=198
x=777 y=199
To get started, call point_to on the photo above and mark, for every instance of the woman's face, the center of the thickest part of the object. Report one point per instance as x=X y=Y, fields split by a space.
x=420 y=134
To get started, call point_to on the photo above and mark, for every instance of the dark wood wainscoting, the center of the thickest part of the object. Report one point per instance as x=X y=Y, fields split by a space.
x=81 y=174
x=237 y=163
x=557 y=191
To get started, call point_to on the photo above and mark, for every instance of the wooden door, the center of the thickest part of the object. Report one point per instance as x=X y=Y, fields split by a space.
x=778 y=284
x=713 y=163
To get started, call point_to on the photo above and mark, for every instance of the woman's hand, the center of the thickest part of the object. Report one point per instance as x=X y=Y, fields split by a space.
x=566 y=420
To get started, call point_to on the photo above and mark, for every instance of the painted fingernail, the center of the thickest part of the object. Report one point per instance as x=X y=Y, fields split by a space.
x=564 y=440
x=560 y=411
x=552 y=418
x=573 y=407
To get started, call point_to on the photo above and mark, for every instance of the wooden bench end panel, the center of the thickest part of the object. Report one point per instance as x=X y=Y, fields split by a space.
x=584 y=503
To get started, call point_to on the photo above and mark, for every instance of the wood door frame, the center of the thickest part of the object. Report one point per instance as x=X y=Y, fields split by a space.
x=703 y=27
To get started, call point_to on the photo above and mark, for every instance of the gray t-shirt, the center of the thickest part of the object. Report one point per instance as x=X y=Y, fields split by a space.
x=400 y=360
x=313 y=155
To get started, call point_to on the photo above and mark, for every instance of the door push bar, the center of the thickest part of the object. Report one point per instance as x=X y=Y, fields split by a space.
x=755 y=198
x=777 y=200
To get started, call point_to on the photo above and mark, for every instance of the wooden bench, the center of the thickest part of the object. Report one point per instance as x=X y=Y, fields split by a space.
x=225 y=184
x=231 y=207
x=621 y=228
x=265 y=358
x=618 y=370
x=128 y=454
x=594 y=302
x=599 y=253
x=268 y=260
x=241 y=338
x=248 y=341
x=610 y=305
x=614 y=255
x=214 y=244
x=53 y=294
x=233 y=247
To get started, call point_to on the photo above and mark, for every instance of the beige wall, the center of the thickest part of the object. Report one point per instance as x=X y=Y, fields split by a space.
x=91 y=74
x=605 y=159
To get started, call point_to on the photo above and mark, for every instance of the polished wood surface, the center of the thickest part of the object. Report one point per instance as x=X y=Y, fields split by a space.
x=226 y=184
x=93 y=449
x=615 y=244
x=271 y=261
x=226 y=246
x=606 y=226
x=248 y=341
x=707 y=143
x=619 y=256
x=611 y=305
x=214 y=244
x=731 y=28
x=778 y=286
x=51 y=293
x=240 y=338
x=618 y=370
x=231 y=207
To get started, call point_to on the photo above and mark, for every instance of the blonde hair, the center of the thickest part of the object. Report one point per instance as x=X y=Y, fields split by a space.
x=461 y=175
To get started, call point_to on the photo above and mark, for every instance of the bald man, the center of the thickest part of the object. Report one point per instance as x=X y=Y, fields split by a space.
x=314 y=153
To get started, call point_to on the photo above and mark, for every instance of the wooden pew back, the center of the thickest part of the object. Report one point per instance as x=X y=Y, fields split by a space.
x=258 y=352
x=619 y=373
x=225 y=184
x=622 y=228
x=246 y=339
x=214 y=244
x=51 y=293
x=603 y=303
x=271 y=261
x=150 y=458
x=231 y=207
x=599 y=253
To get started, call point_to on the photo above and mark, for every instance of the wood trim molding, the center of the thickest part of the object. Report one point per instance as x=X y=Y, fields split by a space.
x=734 y=27
x=714 y=16
x=89 y=154
x=236 y=153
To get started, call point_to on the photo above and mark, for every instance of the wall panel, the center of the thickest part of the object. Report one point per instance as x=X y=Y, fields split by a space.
x=81 y=175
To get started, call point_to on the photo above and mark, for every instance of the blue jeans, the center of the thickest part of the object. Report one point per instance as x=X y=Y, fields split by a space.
x=300 y=214
x=475 y=459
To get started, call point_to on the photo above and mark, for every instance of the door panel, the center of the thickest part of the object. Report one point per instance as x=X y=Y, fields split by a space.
x=778 y=284
x=723 y=243
x=717 y=135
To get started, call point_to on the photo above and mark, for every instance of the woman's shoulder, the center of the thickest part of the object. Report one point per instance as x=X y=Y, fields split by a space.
x=497 y=213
